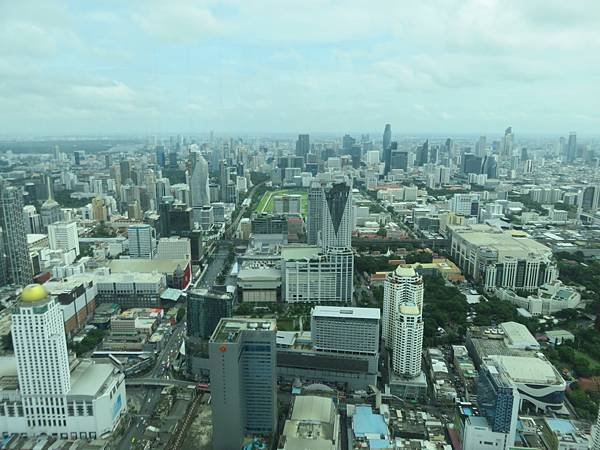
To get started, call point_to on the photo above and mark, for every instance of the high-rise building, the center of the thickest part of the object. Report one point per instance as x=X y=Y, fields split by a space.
x=498 y=400
x=507 y=143
x=387 y=150
x=204 y=311
x=63 y=236
x=471 y=163
x=198 y=180
x=303 y=145
x=480 y=146
x=56 y=395
x=337 y=217
x=15 y=264
x=314 y=219
x=142 y=241
x=50 y=210
x=242 y=354
x=33 y=221
x=422 y=156
x=572 y=147
x=403 y=320
x=99 y=210
x=345 y=330
x=399 y=160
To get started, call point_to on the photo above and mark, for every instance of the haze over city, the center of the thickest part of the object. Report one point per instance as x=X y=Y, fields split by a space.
x=148 y=67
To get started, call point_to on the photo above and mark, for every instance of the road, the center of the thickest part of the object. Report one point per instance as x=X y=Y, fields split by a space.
x=216 y=265
x=167 y=355
x=233 y=226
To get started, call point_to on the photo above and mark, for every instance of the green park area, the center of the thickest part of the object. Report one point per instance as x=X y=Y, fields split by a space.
x=266 y=203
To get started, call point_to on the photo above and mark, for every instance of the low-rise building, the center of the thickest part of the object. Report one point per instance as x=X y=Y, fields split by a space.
x=313 y=424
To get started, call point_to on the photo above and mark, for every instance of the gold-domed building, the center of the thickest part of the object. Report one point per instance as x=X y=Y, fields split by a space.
x=34 y=293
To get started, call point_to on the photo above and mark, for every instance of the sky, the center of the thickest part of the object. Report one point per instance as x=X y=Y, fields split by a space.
x=160 y=66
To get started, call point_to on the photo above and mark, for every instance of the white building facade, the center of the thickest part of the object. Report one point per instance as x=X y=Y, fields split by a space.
x=403 y=320
x=63 y=236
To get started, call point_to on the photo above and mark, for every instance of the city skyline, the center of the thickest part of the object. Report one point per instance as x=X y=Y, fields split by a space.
x=446 y=66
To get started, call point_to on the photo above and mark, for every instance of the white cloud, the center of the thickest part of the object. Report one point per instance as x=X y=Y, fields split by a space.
x=178 y=23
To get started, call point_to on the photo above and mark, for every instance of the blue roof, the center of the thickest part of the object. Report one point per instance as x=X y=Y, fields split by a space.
x=365 y=422
x=560 y=425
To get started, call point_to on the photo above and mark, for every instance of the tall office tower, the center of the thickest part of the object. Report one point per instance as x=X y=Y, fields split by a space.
x=387 y=141
x=434 y=154
x=63 y=236
x=471 y=164
x=50 y=210
x=345 y=330
x=589 y=198
x=243 y=380
x=337 y=217
x=161 y=158
x=498 y=400
x=224 y=179
x=507 y=143
x=449 y=148
x=142 y=241
x=16 y=265
x=422 y=157
x=314 y=219
x=125 y=170
x=303 y=145
x=347 y=144
x=399 y=159
x=480 y=146
x=198 y=181
x=204 y=311
x=33 y=221
x=490 y=166
x=77 y=157
x=403 y=320
x=572 y=147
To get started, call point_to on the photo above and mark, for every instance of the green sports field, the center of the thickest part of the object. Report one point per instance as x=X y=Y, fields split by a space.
x=266 y=202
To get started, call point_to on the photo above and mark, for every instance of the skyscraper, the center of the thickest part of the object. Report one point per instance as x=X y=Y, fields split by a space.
x=50 y=210
x=480 y=146
x=572 y=147
x=303 y=145
x=198 y=181
x=403 y=320
x=314 y=219
x=498 y=400
x=56 y=395
x=337 y=217
x=142 y=241
x=387 y=141
x=15 y=267
x=422 y=156
x=507 y=143
x=242 y=358
x=204 y=311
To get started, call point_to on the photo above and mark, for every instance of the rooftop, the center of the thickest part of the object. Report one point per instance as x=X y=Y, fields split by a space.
x=506 y=243
x=291 y=252
x=529 y=369
x=146 y=265
x=346 y=312
x=228 y=330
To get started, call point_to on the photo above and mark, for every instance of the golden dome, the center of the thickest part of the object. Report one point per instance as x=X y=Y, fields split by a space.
x=34 y=293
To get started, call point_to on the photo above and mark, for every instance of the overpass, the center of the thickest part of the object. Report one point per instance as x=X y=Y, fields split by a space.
x=160 y=382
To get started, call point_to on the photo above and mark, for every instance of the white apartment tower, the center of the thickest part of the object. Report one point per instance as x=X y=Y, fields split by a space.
x=63 y=236
x=403 y=320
